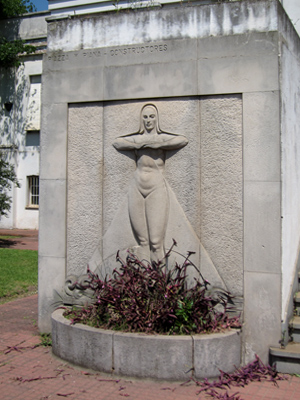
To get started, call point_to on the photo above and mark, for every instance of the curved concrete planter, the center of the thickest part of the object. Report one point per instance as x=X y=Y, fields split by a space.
x=145 y=356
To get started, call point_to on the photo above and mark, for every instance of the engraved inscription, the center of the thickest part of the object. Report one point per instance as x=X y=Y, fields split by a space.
x=139 y=49
x=96 y=53
x=122 y=51
x=58 y=57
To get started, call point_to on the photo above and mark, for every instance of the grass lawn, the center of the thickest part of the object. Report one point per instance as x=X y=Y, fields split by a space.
x=5 y=237
x=18 y=273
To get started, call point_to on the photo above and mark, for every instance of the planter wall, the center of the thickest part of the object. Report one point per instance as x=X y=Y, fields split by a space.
x=145 y=356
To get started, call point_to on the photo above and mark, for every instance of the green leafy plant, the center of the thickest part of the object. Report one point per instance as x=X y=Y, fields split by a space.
x=7 y=179
x=46 y=340
x=12 y=8
x=10 y=52
x=184 y=314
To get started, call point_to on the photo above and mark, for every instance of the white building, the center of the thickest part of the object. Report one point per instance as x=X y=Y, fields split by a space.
x=20 y=92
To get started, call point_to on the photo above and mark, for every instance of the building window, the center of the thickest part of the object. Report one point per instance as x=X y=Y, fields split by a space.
x=33 y=191
x=32 y=138
x=33 y=114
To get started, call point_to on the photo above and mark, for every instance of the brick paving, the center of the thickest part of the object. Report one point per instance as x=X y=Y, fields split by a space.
x=29 y=371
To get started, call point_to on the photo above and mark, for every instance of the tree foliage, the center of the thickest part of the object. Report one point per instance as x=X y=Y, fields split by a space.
x=13 y=8
x=10 y=51
x=7 y=179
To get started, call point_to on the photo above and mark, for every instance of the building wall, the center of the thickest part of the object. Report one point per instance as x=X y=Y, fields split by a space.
x=22 y=87
x=290 y=163
x=25 y=158
x=80 y=7
x=292 y=8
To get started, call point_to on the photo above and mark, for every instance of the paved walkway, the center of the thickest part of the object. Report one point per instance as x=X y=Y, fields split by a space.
x=27 y=240
x=29 y=371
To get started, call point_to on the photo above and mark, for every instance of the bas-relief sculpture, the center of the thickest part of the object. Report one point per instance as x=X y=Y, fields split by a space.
x=150 y=216
x=148 y=197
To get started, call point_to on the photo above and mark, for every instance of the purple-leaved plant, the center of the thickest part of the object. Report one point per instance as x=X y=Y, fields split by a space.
x=151 y=298
x=255 y=371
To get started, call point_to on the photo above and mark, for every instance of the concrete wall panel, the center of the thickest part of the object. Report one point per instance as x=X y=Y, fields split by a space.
x=262 y=227
x=153 y=80
x=290 y=167
x=115 y=29
x=52 y=235
x=262 y=326
x=221 y=205
x=261 y=136
x=238 y=74
x=65 y=86
x=54 y=143
x=51 y=270
x=85 y=175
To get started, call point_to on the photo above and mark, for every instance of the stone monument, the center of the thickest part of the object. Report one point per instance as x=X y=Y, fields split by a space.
x=181 y=123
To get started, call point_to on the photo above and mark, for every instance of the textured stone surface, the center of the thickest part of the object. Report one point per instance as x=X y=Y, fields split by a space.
x=262 y=227
x=115 y=29
x=223 y=350
x=160 y=357
x=54 y=140
x=238 y=74
x=243 y=45
x=261 y=136
x=137 y=81
x=52 y=236
x=51 y=269
x=262 y=302
x=85 y=174
x=290 y=163
x=73 y=83
x=222 y=186
x=145 y=356
x=84 y=345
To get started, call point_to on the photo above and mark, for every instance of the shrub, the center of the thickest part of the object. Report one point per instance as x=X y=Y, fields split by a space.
x=144 y=297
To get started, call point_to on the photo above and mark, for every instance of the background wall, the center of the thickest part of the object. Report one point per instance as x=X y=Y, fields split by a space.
x=22 y=87
x=290 y=164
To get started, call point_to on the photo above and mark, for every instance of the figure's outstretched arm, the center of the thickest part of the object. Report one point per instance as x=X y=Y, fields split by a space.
x=125 y=143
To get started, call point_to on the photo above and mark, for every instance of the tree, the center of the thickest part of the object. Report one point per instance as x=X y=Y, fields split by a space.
x=10 y=57
x=13 y=8
x=7 y=179
x=10 y=51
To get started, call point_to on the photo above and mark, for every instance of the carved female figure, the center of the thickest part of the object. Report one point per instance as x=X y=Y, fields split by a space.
x=148 y=193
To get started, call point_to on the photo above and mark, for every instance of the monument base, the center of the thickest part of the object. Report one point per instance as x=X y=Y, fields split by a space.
x=145 y=356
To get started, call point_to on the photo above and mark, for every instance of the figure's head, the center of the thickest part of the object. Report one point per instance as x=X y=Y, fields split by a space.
x=149 y=118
